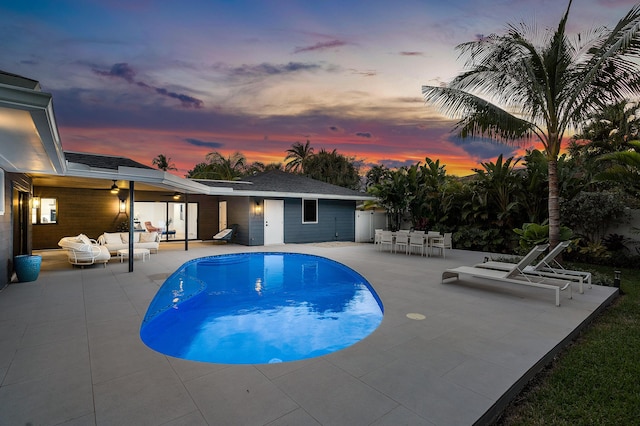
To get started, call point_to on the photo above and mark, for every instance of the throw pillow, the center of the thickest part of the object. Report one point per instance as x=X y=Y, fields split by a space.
x=112 y=238
x=148 y=237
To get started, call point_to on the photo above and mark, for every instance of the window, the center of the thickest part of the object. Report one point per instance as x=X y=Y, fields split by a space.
x=309 y=211
x=45 y=211
x=170 y=217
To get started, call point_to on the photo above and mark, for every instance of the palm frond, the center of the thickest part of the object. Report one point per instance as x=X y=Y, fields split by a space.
x=478 y=116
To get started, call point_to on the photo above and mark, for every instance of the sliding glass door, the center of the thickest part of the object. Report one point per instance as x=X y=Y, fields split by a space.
x=170 y=217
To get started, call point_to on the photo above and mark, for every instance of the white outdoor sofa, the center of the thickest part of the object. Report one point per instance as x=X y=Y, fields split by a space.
x=115 y=241
x=82 y=251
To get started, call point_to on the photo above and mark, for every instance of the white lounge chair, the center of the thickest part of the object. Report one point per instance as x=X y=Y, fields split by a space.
x=544 y=268
x=514 y=275
x=226 y=235
x=82 y=251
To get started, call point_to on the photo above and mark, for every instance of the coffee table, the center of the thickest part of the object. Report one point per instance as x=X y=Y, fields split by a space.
x=137 y=254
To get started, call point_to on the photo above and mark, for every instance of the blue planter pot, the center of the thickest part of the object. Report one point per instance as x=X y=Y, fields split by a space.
x=27 y=267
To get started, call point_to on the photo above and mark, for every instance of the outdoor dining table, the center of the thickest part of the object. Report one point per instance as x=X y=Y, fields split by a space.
x=426 y=238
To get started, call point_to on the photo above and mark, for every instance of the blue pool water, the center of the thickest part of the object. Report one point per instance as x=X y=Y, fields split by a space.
x=255 y=308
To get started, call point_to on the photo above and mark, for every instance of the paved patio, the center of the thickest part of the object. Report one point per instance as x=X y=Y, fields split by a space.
x=70 y=351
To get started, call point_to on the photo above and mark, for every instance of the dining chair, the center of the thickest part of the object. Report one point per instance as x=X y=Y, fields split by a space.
x=402 y=242
x=416 y=242
x=386 y=238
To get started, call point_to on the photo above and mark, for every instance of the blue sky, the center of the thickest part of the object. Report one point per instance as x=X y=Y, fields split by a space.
x=184 y=78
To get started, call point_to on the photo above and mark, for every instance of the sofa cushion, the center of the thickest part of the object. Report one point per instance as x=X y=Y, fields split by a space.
x=112 y=238
x=148 y=237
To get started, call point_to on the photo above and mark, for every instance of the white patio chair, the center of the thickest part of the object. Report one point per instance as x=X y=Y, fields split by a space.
x=377 y=237
x=417 y=242
x=442 y=243
x=402 y=242
x=386 y=239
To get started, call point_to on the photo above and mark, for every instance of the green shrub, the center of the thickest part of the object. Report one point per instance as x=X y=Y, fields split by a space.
x=533 y=234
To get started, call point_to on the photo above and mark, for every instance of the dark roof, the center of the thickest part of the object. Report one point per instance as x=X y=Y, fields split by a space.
x=279 y=181
x=103 y=161
x=18 y=80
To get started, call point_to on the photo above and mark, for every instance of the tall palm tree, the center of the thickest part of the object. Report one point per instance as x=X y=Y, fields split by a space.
x=541 y=90
x=163 y=163
x=298 y=155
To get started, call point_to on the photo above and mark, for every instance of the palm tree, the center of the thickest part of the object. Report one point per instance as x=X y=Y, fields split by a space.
x=220 y=167
x=231 y=167
x=298 y=154
x=541 y=90
x=622 y=167
x=163 y=163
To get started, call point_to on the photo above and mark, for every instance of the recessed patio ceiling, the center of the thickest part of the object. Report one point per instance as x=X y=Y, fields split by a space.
x=29 y=140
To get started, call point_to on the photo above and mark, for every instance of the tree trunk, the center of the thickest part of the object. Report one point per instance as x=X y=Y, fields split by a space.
x=554 y=204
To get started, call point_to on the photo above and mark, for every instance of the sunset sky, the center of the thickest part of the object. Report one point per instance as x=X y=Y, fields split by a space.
x=139 y=78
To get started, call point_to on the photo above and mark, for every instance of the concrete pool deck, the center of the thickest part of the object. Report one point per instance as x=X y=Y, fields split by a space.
x=70 y=351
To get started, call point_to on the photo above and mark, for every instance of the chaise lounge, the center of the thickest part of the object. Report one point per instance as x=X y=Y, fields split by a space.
x=226 y=235
x=544 y=267
x=515 y=275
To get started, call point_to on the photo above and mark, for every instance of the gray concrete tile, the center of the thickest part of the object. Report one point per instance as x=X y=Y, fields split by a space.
x=123 y=356
x=193 y=418
x=104 y=311
x=334 y=397
x=486 y=378
x=239 y=395
x=54 y=331
x=34 y=362
x=295 y=418
x=189 y=370
x=48 y=400
x=146 y=397
x=402 y=416
x=428 y=394
x=75 y=325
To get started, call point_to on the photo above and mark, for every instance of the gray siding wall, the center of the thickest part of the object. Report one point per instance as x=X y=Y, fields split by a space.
x=238 y=213
x=336 y=222
x=242 y=211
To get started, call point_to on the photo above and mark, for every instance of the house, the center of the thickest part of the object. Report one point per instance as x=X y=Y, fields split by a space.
x=275 y=207
x=49 y=193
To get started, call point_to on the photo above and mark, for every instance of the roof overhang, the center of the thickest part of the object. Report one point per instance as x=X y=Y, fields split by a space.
x=269 y=194
x=29 y=139
x=158 y=179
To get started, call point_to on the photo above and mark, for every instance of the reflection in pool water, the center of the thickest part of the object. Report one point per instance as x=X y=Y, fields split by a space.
x=255 y=308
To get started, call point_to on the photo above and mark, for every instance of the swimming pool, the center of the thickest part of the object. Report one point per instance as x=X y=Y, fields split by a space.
x=256 y=308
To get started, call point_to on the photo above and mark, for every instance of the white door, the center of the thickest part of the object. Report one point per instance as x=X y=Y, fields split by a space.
x=222 y=215
x=364 y=228
x=273 y=222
